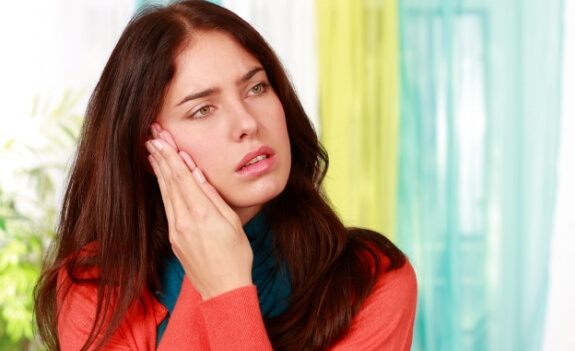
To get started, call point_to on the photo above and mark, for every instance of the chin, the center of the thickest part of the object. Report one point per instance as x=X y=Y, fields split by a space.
x=255 y=195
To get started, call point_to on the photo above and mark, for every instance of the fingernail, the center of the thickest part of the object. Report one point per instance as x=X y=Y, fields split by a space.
x=199 y=175
x=158 y=144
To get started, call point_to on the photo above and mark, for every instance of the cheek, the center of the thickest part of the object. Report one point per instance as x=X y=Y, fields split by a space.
x=282 y=131
x=200 y=149
x=275 y=120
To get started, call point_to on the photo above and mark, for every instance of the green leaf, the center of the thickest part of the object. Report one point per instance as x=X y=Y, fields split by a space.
x=24 y=236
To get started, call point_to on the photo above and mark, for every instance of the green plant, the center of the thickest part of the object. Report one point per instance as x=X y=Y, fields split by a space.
x=28 y=214
x=20 y=259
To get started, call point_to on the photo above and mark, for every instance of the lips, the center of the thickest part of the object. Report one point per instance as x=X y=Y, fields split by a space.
x=254 y=157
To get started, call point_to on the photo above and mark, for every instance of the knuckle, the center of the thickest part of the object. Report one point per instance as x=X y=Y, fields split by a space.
x=179 y=175
x=182 y=226
x=173 y=241
x=201 y=214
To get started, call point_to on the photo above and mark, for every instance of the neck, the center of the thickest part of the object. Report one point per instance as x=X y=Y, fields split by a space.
x=247 y=213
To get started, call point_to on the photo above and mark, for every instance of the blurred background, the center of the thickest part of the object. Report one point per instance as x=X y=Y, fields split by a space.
x=450 y=126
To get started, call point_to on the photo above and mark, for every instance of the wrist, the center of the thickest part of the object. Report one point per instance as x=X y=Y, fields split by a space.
x=214 y=291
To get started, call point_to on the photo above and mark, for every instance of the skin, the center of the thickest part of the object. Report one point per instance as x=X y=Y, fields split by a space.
x=239 y=115
x=218 y=109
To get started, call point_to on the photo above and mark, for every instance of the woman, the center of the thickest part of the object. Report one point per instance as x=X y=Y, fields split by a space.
x=194 y=217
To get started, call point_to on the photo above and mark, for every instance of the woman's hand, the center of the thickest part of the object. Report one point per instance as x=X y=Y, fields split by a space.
x=205 y=233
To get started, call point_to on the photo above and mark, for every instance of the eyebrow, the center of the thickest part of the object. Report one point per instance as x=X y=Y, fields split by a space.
x=252 y=72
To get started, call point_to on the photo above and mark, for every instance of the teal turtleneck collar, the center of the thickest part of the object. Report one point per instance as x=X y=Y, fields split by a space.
x=270 y=278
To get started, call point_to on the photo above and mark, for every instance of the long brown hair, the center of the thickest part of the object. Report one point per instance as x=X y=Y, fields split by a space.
x=113 y=200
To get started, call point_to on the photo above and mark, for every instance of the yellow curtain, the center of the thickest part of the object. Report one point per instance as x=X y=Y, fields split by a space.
x=359 y=108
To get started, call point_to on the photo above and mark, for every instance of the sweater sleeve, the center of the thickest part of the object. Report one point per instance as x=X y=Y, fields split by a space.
x=385 y=322
x=230 y=321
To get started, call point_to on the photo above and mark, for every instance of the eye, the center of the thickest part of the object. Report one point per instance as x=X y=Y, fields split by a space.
x=258 y=89
x=202 y=112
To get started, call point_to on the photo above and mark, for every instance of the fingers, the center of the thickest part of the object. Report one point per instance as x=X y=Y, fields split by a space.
x=159 y=133
x=163 y=190
x=170 y=165
x=188 y=160
x=164 y=134
x=174 y=202
x=209 y=190
x=181 y=186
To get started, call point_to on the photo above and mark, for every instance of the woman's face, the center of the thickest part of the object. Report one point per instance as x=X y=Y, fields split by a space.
x=221 y=110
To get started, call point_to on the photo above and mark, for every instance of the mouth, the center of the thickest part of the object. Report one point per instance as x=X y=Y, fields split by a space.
x=255 y=157
x=255 y=160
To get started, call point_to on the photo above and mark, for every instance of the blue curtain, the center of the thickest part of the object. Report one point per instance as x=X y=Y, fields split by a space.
x=480 y=98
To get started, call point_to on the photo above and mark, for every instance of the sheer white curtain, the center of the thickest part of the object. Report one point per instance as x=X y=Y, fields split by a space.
x=289 y=27
x=49 y=47
x=560 y=323
x=52 y=45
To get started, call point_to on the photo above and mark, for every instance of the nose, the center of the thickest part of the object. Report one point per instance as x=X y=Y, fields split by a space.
x=244 y=123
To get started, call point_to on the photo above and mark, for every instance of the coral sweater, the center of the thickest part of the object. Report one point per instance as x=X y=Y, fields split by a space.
x=233 y=321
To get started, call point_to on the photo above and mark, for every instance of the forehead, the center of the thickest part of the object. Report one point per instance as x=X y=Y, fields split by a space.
x=212 y=57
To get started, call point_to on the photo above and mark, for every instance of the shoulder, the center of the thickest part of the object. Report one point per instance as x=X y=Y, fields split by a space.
x=394 y=294
x=399 y=284
x=385 y=320
x=396 y=274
